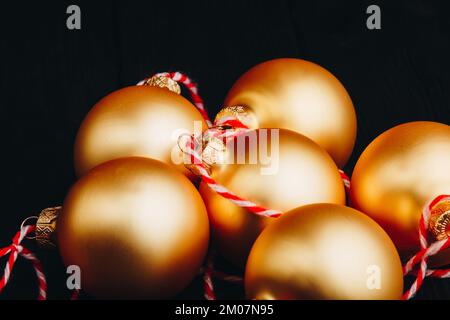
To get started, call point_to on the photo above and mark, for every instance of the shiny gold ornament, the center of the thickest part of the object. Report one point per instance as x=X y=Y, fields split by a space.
x=324 y=251
x=396 y=176
x=297 y=95
x=295 y=172
x=135 y=121
x=136 y=228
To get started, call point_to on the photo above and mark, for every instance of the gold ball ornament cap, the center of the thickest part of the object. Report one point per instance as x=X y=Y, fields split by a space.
x=397 y=175
x=164 y=82
x=324 y=251
x=298 y=95
x=439 y=227
x=46 y=226
x=136 y=228
x=439 y=224
x=243 y=114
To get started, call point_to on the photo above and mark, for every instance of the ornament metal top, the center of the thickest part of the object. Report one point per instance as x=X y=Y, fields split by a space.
x=164 y=82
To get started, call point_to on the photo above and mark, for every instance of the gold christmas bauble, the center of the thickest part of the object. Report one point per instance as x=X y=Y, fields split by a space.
x=324 y=251
x=136 y=228
x=287 y=170
x=298 y=95
x=143 y=121
x=397 y=174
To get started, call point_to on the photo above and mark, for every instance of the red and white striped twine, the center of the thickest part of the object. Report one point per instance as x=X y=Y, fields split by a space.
x=426 y=252
x=221 y=190
x=208 y=286
x=209 y=273
x=14 y=250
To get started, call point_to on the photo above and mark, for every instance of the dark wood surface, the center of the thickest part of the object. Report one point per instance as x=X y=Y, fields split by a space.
x=51 y=76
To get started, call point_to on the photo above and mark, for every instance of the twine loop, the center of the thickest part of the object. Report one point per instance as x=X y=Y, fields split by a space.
x=16 y=249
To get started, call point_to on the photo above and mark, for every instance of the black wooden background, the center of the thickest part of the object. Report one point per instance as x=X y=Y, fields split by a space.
x=51 y=76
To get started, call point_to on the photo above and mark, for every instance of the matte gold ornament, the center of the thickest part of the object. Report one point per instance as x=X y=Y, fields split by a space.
x=324 y=251
x=295 y=171
x=136 y=121
x=396 y=176
x=298 y=95
x=136 y=228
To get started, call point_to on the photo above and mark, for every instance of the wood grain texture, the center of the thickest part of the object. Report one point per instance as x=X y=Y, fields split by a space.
x=50 y=77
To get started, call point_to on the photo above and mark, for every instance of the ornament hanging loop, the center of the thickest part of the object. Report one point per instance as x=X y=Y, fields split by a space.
x=193 y=153
x=24 y=222
x=183 y=140
x=16 y=249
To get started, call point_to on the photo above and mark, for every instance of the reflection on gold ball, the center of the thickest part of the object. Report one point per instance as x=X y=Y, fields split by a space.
x=298 y=173
x=140 y=121
x=301 y=96
x=324 y=251
x=136 y=228
x=397 y=174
